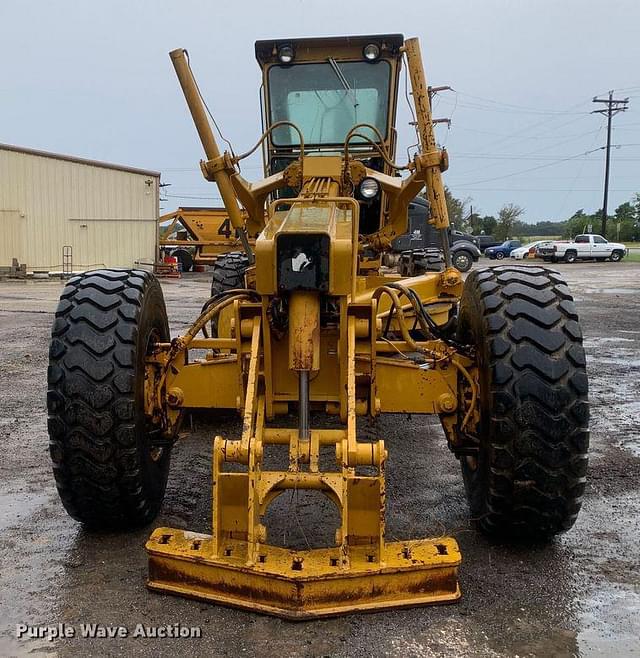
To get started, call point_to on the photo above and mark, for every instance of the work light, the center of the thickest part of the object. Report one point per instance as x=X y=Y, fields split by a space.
x=369 y=188
x=371 y=52
x=285 y=54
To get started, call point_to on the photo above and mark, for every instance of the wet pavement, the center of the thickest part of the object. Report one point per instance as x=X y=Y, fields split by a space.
x=579 y=595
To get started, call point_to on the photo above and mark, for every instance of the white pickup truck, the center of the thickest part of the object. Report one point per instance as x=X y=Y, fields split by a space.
x=582 y=247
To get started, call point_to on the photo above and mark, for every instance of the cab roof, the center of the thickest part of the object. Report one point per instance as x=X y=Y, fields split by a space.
x=314 y=47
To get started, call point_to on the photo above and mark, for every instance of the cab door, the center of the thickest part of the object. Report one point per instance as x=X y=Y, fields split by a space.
x=600 y=247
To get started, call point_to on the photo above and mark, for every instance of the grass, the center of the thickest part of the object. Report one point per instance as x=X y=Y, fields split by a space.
x=631 y=258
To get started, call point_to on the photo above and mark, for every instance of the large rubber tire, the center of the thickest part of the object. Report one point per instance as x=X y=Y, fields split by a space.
x=528 y=477
x=228 y=272
x=570 y=257
x=430 y=260
x=108 y=473
x=617 y=256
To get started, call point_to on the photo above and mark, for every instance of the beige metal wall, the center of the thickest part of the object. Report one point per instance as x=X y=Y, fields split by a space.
x=106 y=214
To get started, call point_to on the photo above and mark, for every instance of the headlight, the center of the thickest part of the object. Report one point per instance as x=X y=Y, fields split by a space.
x=371 y=52
x=369 y=188
x=285 y=54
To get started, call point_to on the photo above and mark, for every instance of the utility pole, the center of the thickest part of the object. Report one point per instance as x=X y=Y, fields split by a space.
x=612 y=108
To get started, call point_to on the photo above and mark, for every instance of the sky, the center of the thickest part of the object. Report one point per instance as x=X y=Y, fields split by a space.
x=93 y=79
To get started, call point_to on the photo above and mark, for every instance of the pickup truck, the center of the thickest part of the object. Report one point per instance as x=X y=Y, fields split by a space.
x=587 y=246
x=485 y=241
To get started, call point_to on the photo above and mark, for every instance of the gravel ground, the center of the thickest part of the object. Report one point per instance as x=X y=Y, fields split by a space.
x=579 y=595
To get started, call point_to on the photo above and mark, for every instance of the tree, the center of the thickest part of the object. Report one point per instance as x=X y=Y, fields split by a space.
x=507 y=217
x=624 y=227
x=456 y=208
x=488 y=225
x=579 y=222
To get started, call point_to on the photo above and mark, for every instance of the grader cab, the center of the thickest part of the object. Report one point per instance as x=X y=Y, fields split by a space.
x=306 y=322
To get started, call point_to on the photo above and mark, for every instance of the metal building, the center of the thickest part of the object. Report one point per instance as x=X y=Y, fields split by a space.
x=59 y=212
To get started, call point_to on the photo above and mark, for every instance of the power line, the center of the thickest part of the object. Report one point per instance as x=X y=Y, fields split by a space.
x=613 y=107
x=524 y=171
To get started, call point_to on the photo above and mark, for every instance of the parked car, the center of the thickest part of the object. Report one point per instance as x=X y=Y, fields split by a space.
x=422 y=236
x=541 y=246
x=503 y=250
x=526 y=251
x=485 y=241
x=587 y=246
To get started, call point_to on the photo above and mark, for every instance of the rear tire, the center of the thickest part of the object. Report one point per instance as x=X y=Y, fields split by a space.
x=570 y=257
x=228 y=272
x=528 y=477
x=108 y=473
x=420 y=261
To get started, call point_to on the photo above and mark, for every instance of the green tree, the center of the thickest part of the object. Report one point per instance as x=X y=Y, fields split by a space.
x=507 y=217
x=488 y=225
x=579 y=222
x=456 y=208
x=547 y=227
x=624 y=225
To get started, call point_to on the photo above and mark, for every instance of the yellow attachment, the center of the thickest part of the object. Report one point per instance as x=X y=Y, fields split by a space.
x=304 y=585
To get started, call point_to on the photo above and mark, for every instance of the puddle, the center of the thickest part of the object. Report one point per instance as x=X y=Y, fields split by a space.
x=16 y=507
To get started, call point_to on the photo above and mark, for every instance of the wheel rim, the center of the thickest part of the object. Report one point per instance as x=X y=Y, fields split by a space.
x=499 y=255
x=462 y=262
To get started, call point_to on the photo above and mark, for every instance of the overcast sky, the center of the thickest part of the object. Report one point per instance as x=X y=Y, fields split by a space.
x=93 y=79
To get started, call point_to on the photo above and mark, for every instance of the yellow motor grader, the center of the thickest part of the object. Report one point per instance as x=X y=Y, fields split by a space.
x=305 y=321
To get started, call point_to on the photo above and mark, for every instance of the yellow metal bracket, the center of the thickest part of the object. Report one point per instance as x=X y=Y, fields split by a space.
x=211 y=167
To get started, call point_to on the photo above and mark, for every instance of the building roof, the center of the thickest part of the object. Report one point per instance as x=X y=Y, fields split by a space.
x=73 y=158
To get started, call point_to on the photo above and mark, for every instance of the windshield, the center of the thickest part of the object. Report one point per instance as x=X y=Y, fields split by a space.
x=326 y=99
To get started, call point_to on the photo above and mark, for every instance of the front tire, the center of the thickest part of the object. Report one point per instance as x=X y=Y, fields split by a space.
x=462 y=261
x=616 y=256
x=108 y=471
x=527 y=478
x=228 y=272
x=499 y=255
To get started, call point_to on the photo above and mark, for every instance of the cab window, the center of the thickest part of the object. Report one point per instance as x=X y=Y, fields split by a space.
x=599 y=240
x=326 y=99
x=582 y=238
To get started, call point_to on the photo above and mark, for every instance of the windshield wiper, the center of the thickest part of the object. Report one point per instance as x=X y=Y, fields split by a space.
x=343 y=81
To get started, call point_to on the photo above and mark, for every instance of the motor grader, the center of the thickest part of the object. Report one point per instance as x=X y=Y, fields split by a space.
x=306 y=322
